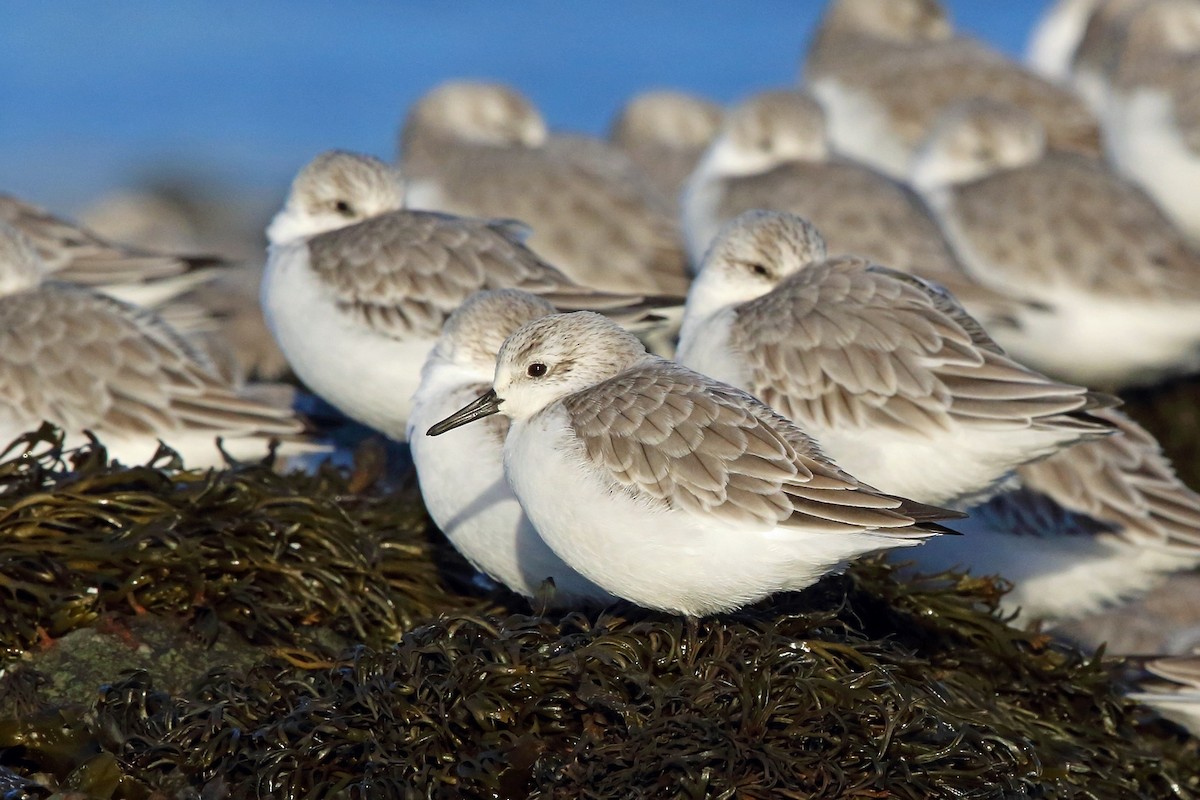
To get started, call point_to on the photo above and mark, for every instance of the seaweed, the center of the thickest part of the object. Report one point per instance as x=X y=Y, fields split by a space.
x=363 y=662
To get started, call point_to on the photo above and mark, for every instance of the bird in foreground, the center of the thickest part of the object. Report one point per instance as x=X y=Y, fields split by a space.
x=1098 y=524
x=85 y=361
x=1113 y=289
x=1152 y=118
x=664 y=133
x=482 y=150
x=894 y=380
x=462 y=475
x=1173 y=690
x=667 y=488
x=357 y=287
x=773 y=153
x=885 y=69
x=74 y=254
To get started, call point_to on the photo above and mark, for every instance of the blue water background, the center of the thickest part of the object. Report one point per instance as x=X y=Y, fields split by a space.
x=99 y=95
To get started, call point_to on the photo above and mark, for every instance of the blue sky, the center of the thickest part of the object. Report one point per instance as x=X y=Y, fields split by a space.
x=97 y=95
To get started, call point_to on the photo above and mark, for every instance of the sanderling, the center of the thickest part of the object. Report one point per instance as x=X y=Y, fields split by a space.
x=667 y=488
x=665 y=133
x=884 y=69
x=895 y=381
x=1114 y=288
x=86 y=361
x=1153 y=112
x=1100 y=523
x=773 y=154
x=74 y=254
x=357 y=288
x=186 y=219
x=1089 y=71
x=462 y=476
x=1173 y=690
x=483 y=150
x=1058 y=33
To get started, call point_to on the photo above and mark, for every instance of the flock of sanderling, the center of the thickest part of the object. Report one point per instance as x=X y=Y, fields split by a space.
x=909 y=285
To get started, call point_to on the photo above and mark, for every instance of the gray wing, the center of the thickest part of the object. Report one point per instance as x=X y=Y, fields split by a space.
x=1186 y=100
x=405 y=272
x=846 y=344
x=865 y=213
x=83 y=360
x=672 y=436
x=1124 y=483
x=75 y=254
x=602 y=229
x=1075 y=223
x=915 y=85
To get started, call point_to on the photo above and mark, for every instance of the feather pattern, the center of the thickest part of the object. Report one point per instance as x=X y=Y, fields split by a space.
x=402 y=273
x=670 y=436
x=849 y=344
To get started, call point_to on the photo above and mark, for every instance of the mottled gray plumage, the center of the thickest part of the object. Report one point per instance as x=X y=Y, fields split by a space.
x=846 y=343
x=590 y=211
x=82 y=360
x=402 y=273
x=862 y=212
x=1068 y=220
x=901 y=57
x=672 y=436
x=664 y=133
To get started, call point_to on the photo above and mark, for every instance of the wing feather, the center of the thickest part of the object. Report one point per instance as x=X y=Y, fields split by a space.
x=403 y=273
x=1124 y=482
x=698 y=445
x=877 y=347
x=83 y=360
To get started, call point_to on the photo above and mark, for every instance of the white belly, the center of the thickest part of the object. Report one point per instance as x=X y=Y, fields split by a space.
x=463 y=485
x=647 y=553
x=370 y=377
x=1144 y=143
x=1104 y=342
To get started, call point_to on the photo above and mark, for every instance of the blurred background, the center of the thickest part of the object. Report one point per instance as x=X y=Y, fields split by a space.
x=224 y=102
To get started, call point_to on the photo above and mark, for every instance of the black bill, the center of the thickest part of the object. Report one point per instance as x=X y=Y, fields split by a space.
x=483 y=407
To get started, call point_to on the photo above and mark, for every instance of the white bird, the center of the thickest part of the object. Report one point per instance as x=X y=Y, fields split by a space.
x=86 y=361
x=1152 y=120
x=669 y=489
x=1098 y=524
x=483 y=150
x=894 y=380
x=462 y=475
x=773 y=153
x=74 y=254
x=885 y=69
x=1113 y=289
x=665 y=133
x=357 y=288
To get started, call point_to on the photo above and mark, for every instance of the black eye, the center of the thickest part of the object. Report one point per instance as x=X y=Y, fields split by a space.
x=760 y=270
x=536 y=370
x=343 y=208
